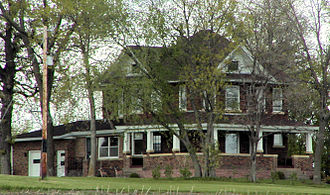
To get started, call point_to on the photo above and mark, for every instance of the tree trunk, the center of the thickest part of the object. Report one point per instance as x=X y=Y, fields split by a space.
x=89 y=88
x=92 y=162
x=318 y=151
x=7 y=76
x=194 y=158
x=253 y=160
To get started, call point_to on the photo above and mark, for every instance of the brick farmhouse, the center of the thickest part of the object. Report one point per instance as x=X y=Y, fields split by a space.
x=140 y=147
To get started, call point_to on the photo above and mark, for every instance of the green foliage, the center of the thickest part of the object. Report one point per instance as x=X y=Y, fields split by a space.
x=276 y=175
x=327 y=179
x=293 y=177
x=296 y=144
x=185 y=173
x=156 y=173
x=134 y=175
x=168 y=171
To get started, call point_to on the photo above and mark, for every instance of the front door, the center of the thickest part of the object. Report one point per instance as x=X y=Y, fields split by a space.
x=60 y=163
x=34 y=163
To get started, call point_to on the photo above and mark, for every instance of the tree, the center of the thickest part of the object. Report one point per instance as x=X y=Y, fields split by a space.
x=94 y=22
x=311 y=26
x=188 y=32
x=30 y=18
x=10 y=41
x=269 y=41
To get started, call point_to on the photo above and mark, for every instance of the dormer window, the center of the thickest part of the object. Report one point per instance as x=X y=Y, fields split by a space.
x=233 y=66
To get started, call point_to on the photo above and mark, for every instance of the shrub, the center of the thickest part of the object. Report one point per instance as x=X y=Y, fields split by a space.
x=280 y=175
x=134 y=175
x=327 y=179
x=274 y=176
x=156 y=173
x=293 y=177
x=185 y=173
x=168 y=171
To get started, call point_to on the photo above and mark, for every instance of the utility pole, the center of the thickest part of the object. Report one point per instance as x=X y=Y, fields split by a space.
x=43 y=165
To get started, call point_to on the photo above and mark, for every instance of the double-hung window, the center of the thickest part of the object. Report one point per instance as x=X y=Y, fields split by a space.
x=157 y=143
x=232 y=98
x=108 y=147
x=277 y=100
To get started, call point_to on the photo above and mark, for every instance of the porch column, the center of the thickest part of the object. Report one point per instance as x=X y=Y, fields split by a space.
x=150 y=145
x=126 y=146
x=215 y=138
x=176 y=143
x=260 y=143
x=215 y=134
x=309 y=143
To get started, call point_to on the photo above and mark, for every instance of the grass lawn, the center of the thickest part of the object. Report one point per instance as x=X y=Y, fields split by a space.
x=143 y=185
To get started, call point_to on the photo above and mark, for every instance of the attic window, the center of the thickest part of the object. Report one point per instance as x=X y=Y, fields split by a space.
x=233 y=66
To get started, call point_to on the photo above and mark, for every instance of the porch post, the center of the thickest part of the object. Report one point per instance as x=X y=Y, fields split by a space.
x=150 y=145
x=176 y=143
x=126 y=146
x=260 y=143
x=309 y=143
x=215 y=138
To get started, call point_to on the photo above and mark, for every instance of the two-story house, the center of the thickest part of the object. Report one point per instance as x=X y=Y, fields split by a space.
x=141 y=145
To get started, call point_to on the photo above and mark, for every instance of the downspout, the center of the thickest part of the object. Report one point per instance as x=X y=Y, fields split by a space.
x=11 y=160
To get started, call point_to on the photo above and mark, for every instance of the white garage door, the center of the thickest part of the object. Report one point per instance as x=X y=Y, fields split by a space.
x=34 y=162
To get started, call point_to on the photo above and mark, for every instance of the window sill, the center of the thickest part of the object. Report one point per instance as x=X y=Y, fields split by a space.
x=109 y=158
x=278 y=112
x=233 y=111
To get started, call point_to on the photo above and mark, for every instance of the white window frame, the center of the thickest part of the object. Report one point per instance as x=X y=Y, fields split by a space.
x=237 y=142
x=277 y=103
x=109 y=147
x=229 y=107
x=182 y=98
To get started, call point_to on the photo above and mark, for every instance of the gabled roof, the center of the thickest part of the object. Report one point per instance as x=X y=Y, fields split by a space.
x=66 y=129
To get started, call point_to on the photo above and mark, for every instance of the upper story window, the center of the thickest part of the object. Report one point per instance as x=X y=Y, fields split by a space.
x=233 y=66
x=108 y=147
x=182 y=98
x=261 y=100
x=232 y=98
x=277 y=100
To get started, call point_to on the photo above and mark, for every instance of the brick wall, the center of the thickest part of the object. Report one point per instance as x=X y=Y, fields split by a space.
x=234 y=166
x=304 y=163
